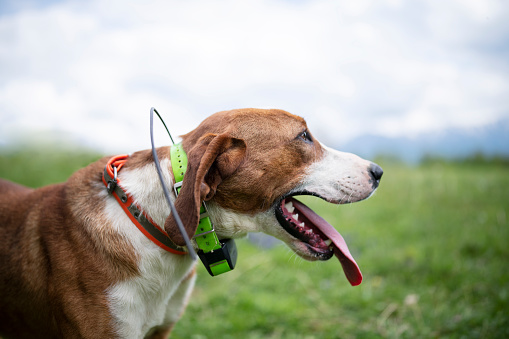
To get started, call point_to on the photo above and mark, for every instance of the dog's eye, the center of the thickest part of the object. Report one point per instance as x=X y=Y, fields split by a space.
x=305 y=136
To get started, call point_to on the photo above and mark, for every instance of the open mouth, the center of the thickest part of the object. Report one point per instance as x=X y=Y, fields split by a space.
x=320 y=238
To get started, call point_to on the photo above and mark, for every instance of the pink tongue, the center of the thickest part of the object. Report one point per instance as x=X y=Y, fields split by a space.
x=350 y=267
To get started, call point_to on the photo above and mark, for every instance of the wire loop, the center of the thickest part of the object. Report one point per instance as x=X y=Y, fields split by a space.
x=174 y=212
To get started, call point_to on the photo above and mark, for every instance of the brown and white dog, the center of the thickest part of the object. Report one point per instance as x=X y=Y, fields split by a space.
x=73 y=265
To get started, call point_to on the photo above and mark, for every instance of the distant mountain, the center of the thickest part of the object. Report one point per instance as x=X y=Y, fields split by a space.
x=491 y=140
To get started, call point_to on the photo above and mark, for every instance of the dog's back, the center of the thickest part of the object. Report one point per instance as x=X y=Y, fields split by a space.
x=8 y=187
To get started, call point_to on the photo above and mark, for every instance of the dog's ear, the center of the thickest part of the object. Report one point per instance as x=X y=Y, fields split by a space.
x=211 y=160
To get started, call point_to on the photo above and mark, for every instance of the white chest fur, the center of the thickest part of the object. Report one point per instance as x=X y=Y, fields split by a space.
x=158 y=295
x=155 y=298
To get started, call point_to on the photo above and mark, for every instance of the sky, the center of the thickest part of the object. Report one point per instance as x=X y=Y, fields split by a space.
x=91 y=70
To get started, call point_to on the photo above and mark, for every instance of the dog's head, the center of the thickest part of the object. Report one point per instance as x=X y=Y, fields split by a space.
x=250 y=163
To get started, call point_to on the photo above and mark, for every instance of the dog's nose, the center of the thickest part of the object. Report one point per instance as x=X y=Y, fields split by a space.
x=376 y=173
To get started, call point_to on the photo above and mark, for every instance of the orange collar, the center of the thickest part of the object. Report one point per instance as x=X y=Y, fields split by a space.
x=139 y=218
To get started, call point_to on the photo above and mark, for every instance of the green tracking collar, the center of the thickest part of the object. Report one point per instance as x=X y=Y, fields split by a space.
x=218 y=256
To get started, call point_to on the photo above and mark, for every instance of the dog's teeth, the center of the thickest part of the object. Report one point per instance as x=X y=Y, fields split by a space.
x=289 y=207
x=302 y=225
x=328 y=242
x=296 y=216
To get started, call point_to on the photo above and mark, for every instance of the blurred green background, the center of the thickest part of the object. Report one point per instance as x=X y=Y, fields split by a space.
x=432 y=245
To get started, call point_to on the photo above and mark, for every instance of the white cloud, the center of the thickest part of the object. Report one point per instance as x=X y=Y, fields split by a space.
x=387 y=67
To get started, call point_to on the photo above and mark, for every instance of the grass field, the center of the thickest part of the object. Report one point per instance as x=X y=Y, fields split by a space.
x=432 y=245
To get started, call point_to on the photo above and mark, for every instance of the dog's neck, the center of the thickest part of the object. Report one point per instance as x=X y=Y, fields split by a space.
x=143 y=184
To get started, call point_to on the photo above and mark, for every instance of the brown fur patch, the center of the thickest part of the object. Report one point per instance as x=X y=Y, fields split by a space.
x=115 y=250
x=55 y=247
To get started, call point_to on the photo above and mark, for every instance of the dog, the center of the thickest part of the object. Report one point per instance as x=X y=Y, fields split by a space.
x=73 y=264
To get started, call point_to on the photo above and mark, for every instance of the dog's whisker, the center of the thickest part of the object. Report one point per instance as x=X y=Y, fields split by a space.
x=350 y=197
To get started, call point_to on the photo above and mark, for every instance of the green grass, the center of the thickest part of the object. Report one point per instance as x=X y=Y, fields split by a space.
x=40 y=166
x=432 y=245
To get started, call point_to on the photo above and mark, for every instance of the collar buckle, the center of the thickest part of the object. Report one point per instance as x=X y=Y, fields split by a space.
x=112 y=184
x=177 y=187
